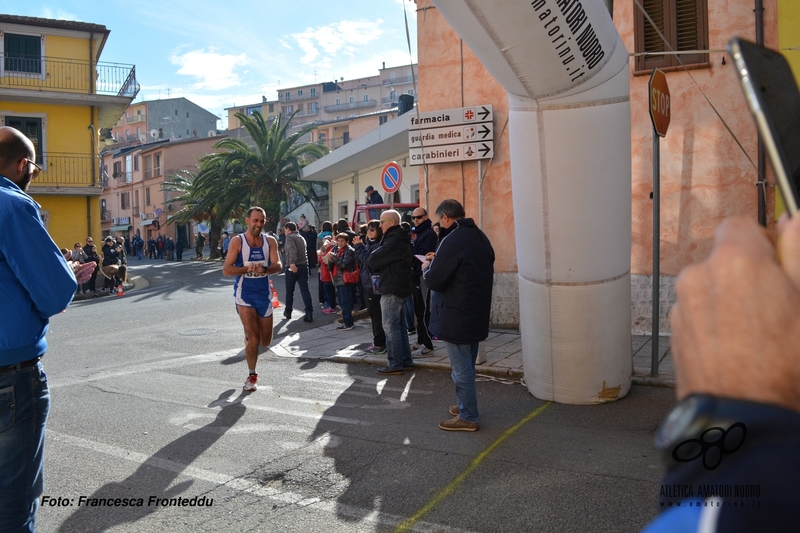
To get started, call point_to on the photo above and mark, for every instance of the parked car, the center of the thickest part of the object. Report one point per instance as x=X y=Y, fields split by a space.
x=361 y=212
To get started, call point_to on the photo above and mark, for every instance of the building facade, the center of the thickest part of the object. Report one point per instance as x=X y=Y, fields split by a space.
x=170 y=118
x=55 y=90
x=133 y=201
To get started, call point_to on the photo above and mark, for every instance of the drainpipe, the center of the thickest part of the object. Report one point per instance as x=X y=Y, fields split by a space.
x=568 y=82
x=761 y=184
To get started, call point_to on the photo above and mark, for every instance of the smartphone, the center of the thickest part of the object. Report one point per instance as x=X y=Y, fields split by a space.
x=774 y=99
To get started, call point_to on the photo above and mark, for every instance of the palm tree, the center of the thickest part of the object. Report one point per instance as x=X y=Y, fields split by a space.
x=263 y=174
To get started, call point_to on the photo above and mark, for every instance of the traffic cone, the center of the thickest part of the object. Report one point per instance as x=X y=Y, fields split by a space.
x=275 y=302
x=120 y=291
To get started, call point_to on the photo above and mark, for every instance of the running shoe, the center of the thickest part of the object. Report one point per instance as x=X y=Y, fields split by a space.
x=250 y=382
x=344 y=327
x=329 y=311
x=375 y=350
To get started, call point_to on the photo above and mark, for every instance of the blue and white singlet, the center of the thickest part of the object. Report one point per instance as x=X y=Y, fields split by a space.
x=250 y=290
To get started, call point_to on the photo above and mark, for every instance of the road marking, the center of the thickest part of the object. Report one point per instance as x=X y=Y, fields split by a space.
x=126 y=369
x=329 y=506
x=445 y=492
x=249 y=405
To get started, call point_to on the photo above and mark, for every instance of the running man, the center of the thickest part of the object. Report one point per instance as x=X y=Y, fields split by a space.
x=251 y=291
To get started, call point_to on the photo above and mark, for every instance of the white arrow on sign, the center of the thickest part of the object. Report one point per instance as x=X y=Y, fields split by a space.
x=430 y=155
x=451 y=135
x=451 y=117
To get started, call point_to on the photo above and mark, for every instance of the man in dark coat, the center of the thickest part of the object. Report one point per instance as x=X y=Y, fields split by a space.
x=393 y=259
x=425 y=240
x=373 y=197
x=460 y=275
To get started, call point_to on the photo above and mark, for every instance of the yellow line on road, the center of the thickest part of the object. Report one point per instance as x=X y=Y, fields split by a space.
x=445 y=492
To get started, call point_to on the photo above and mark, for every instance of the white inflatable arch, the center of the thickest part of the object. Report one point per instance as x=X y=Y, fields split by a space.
x=566 y=72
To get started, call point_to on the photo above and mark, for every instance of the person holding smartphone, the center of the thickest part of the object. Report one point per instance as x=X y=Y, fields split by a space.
x=736 y=348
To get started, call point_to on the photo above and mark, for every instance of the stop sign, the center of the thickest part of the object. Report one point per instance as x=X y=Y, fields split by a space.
x=659 y=102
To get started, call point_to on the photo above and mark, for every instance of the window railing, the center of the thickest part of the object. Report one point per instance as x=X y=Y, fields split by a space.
x=295 y=98
x=65 y=170
x=71 y=75
x=134 y=119
x=350 y=105
x=397 y=81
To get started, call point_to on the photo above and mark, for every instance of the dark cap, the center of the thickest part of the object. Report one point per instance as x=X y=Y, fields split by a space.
x=369 y=189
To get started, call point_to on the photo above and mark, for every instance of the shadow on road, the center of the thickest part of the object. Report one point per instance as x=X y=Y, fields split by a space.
x=154 y=477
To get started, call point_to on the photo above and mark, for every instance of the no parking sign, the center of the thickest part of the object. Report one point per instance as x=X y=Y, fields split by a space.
x=391 y=177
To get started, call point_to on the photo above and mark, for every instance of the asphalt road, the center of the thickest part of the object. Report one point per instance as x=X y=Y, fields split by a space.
x=147 y=404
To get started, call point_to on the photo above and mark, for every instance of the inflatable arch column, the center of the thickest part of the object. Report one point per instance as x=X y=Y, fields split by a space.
x=566 y=72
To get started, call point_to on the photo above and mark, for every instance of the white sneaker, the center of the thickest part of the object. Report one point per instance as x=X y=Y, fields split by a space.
x=422 y=351
x=250 y=382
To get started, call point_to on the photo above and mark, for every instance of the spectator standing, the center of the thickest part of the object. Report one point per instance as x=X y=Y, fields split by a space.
x=424 y=242
x=226 y=242
x=37 y=283
x=363 y=249
x=138 y=245
x=199 y=245
x=79 y=255
x=169 y=246
x=91 y=255
x=460 y=276
x=179 y=249
x=326 y=277
x=393 y=260
x=327 y=228
x=309 y=234
x=160 y=246
x=296 y=271
x=151 y=248
x=342 y=258
x=373 y=197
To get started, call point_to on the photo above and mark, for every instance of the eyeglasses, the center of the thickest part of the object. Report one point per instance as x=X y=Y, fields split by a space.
x=415 y=217
x=384 y=221
x=37 y=168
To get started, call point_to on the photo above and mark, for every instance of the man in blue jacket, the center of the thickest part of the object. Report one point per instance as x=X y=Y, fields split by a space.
x=460 y=276
x=35 y=283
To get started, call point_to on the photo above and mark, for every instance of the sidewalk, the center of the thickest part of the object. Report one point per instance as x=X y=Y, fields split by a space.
x=503 y=352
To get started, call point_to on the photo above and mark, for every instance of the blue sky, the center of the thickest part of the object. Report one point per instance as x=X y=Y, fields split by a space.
x=225 y=53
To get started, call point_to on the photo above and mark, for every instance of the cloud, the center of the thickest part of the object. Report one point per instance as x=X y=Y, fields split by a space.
x=212 y=69
x=59 y=14
x=324 y=43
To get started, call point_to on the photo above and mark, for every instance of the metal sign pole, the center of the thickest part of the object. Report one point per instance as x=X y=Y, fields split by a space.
x=656 y=250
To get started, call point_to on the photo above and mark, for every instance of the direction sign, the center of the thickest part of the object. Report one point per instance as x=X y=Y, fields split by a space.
x=659 y=102
x=460 y=134
x=391 y=177
x=451 y=117
x=451 y=135
x=448 y=153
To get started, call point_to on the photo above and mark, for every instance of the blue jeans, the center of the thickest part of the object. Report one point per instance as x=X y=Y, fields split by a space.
x=24 y=405
x=408 y=306
x=345 y=295
x=394 y=325
x=462 y=361
x=300 y=278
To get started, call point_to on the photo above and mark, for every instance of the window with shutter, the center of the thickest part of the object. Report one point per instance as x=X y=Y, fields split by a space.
x=683 y=23
x=23 y=53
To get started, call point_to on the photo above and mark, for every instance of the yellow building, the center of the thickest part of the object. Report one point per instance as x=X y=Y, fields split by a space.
x=54 y=90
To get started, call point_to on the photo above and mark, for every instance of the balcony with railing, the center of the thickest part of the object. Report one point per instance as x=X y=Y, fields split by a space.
x=398 y=81
x=295 y=98
x=68 y=75
x=66 y=170
x=134 y=119
x=350 y=105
